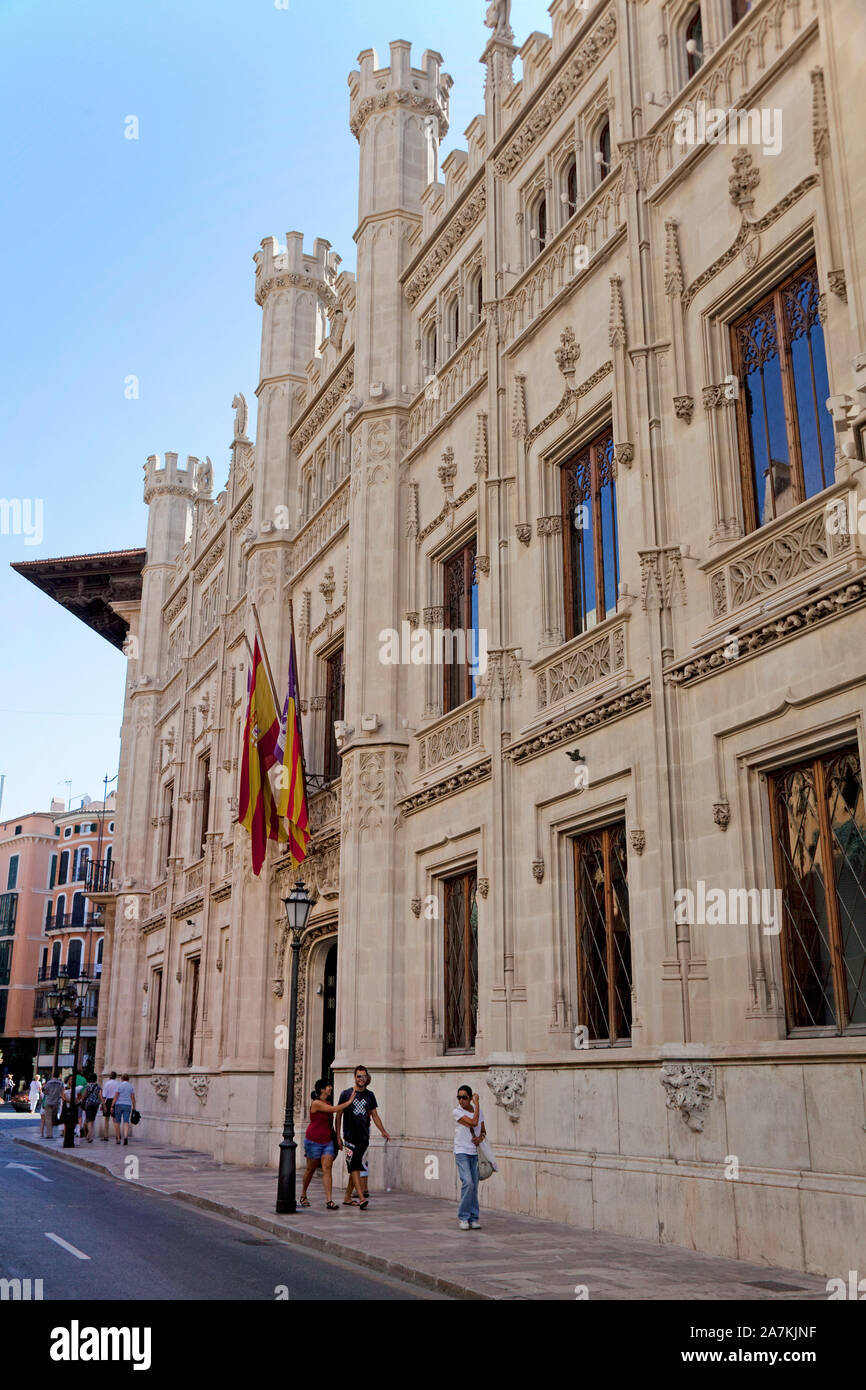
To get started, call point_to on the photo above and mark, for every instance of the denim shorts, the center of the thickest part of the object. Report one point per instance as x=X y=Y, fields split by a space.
x=314 y=1150
x=122 y=1112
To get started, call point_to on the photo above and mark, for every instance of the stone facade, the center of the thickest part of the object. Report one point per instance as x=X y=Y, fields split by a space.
x=575 y=271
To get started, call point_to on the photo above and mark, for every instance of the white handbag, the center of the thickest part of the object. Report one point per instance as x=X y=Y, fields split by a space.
x=486 y=1162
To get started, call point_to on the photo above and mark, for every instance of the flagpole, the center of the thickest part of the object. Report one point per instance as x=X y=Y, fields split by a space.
x=298 y=680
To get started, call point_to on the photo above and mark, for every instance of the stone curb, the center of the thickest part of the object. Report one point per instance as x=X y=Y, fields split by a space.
x=395 y=1268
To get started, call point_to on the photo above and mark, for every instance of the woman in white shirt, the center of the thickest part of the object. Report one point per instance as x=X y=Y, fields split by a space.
x=468 y=1133
x=34 y=1094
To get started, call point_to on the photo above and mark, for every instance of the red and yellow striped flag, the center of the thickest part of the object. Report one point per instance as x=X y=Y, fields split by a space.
x=292 y=790
x=256 y=808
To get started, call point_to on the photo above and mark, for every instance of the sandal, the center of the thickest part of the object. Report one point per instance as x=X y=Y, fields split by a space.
x=331 y=1206
x=364 y=1204
x=350 y=1202
x=302 y=1202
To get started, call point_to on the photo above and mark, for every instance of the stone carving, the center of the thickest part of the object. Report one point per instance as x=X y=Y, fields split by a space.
x=616 y=323
x=567 y=357
x=685 y=408
x=201 y=1085
x=541 y=115
x=498 y=19
x=313 y=419
x=568 y=404
x=623 y=455
x=674 y=281
x=664 y=583
x=460 y=735
x=279 y=986
x=239 y=406
x=481 y=446
x=457 y=782
x=518 y=414
x=524 y=533
x=465 y=216
x=571 y=729
x=810 y=613
x=160 y=1084
x=508 y=1085
x=416 y=907
x=538 y=870
x=722 y=814
x=689 y=1088
x=838 y=284
x=338 y=327
x=766 y=567
x=483 y=887
x=820 y=119
x=638 y=841
x=743 y=181
x=582 y=668
x=328 y=586
x=204 y=478
x=549 y=525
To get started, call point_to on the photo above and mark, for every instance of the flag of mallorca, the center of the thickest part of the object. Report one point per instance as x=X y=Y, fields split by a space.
x=256 y=809
x=292 y=791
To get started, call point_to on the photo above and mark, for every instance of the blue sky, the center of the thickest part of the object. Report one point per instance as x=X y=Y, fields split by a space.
x=134 y=257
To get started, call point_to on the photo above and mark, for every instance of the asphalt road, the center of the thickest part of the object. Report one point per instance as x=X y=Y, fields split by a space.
x=143 y=1246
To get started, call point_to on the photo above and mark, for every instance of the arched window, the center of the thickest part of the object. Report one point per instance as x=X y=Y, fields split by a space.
x=73 y=959
x=60 y=911
x=602 y=152
x=479 y=295
x=452 y=326
x=694 y=36
x=77 y=910
x=99 y=948
x=308 y=495
x=431 y=350
x=55 y=960
x=538 y=230
x=64 y=867
x=48 y=914
x=570 y=190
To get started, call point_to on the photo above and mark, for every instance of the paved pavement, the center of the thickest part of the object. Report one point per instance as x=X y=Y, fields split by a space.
x=417 y=1238
x=88 y=1238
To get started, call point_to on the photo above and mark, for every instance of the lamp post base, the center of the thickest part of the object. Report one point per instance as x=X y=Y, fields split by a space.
x=287 y=1204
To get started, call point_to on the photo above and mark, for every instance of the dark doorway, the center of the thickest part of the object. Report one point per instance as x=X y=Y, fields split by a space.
x=329 y=1013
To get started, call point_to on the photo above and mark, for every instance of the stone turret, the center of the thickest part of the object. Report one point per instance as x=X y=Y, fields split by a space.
x=169 y=491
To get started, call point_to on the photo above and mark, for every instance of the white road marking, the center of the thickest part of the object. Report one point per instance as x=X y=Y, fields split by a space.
x=79 y=1254
x=32 y=1171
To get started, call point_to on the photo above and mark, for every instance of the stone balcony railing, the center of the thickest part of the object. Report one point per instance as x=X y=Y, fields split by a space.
x=325 y=809
x=586 y=662
x=465 y=370
x=807 y=547
x=456 y=735
x=570 y=253
x=321 y=529
x=158 y=898
x=726 y=77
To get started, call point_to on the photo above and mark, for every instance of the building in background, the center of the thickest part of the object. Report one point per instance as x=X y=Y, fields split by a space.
x=26 y=847
x=596 y=395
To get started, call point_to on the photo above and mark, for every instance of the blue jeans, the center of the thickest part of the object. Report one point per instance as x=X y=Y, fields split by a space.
x=467 y=1167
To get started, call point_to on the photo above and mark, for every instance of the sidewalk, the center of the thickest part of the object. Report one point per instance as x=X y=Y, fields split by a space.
x=417 y=1238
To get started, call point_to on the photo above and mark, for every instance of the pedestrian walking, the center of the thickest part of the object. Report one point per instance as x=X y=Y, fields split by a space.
x=109 y=1091
x=320 y=1144
x=123 y=1105
x=69 y=1112
x=355 y=1127
x=52 y=1098
x=469 y=1132
x=8 y=1087
x=90 y=1104
x=35 y=1094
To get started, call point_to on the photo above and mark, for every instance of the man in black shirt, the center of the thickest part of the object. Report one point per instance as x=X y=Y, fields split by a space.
x=355 y=1125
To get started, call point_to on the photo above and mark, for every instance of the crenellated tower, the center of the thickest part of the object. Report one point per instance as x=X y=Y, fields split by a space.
x=399 y=114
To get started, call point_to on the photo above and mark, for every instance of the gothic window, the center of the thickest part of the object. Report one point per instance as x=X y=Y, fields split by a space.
x=819 y=842
x=694 y=41
x=569 y=194
x=204 y=794
x=602 y=152
x=479 y=296
x=167 y=820
x=785 y=430
x=460 y=641
x=155 y=1011
x=452 y=326
x=193 y=972
x=431 y=350
x=590 y=535
x=538 y=229
x=601 y=909
x=335 y=698
x=461 y=961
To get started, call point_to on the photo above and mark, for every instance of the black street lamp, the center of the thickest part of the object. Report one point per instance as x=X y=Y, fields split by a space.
x=298 y=907
x=61 y=1001
x=81 y=987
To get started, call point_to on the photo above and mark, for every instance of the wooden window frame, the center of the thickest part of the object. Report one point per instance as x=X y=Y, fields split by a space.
x=468 y=879
x=843 y=1026
x=335 y=708
x=194 y=969
x=593 y=448
x=583 y=1012
x=774 y=298
x=453 y=696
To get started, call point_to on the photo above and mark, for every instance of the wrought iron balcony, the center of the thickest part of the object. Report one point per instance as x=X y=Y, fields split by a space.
x=64 y=920
x=100 y=876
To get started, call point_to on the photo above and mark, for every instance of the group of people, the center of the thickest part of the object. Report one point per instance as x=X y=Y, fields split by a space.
x=77 y=1102
x=346 y=1125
